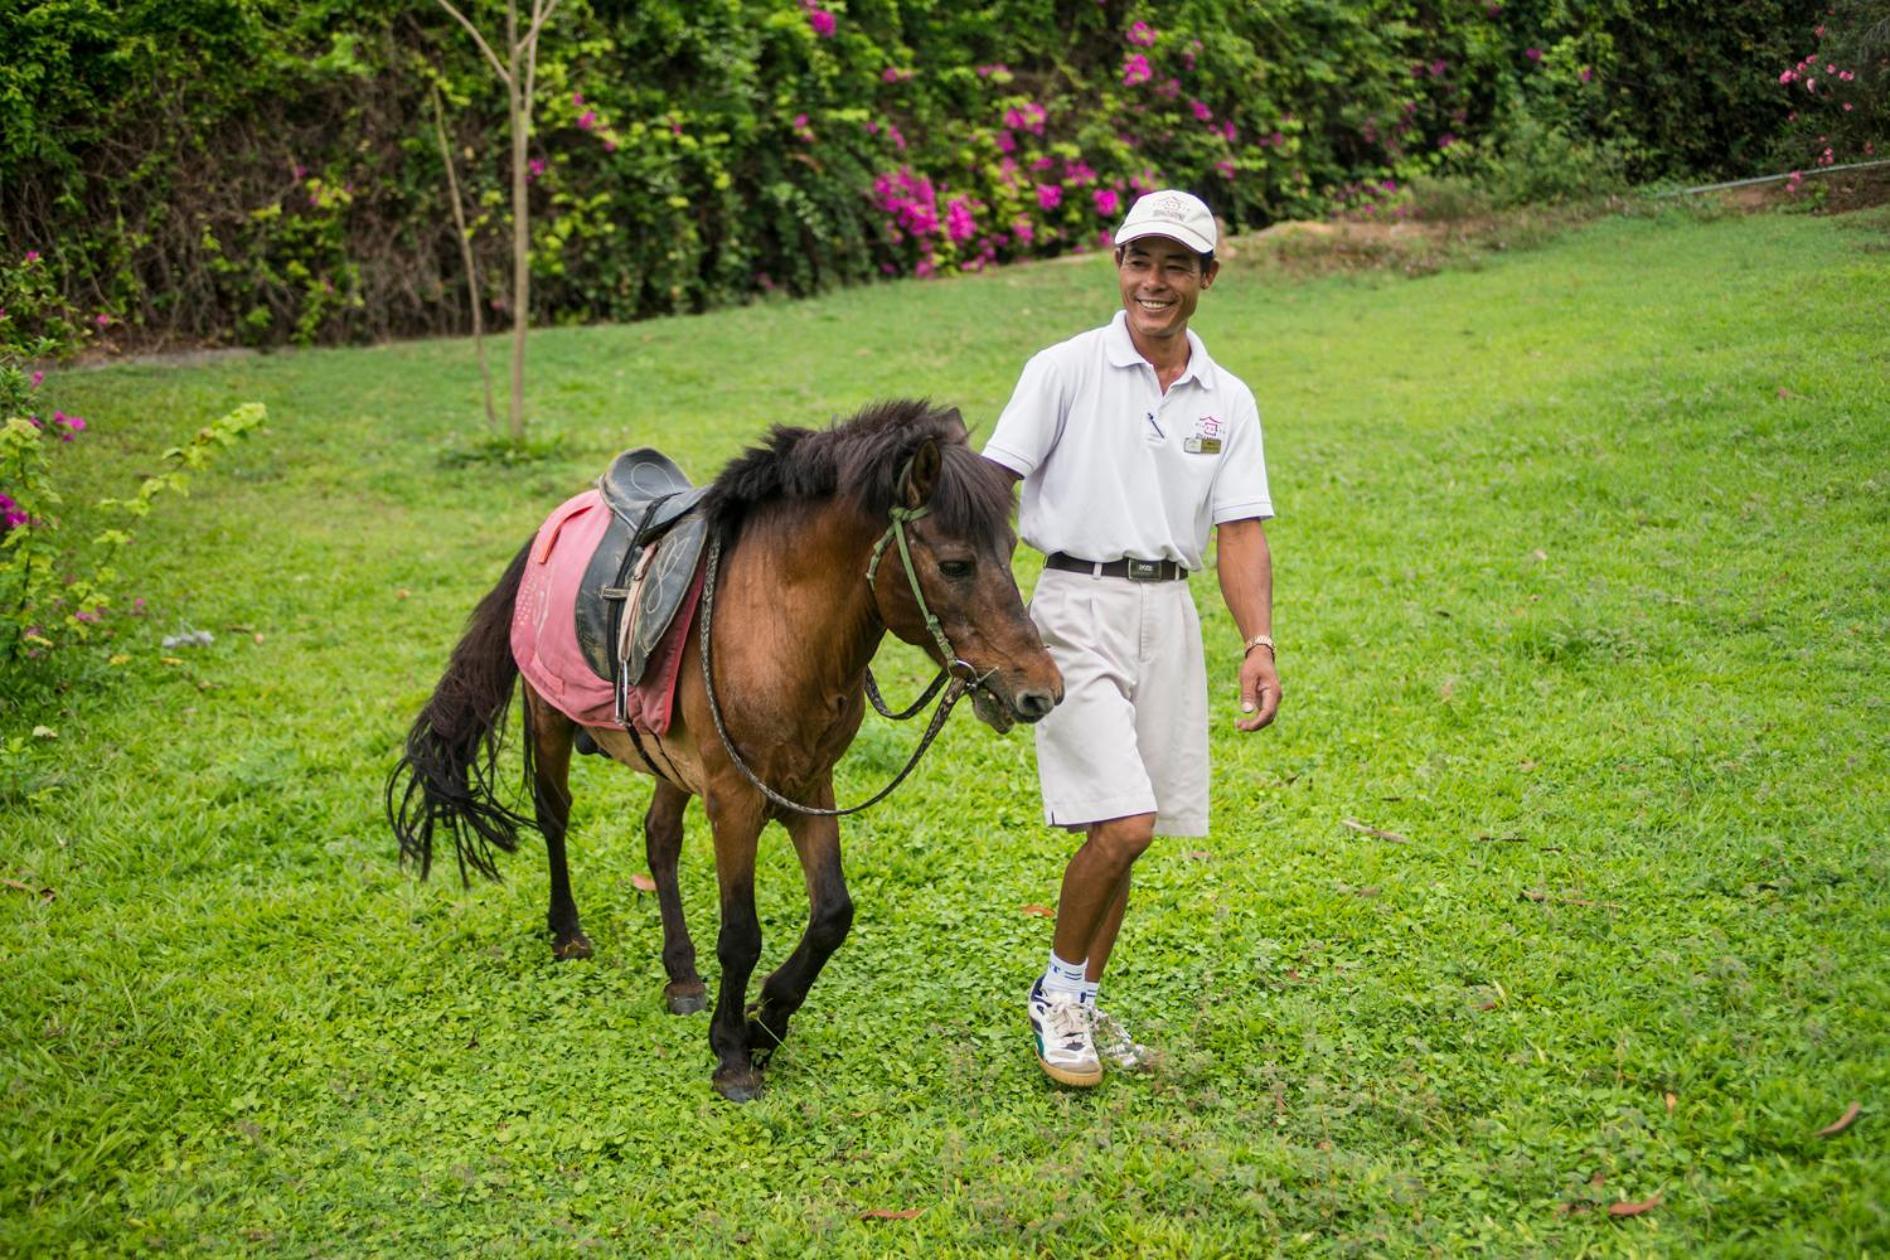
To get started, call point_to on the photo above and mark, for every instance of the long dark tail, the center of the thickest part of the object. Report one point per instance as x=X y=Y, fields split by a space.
x=449 y=775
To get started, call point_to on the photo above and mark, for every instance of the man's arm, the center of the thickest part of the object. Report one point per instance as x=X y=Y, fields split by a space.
x=1246 y=571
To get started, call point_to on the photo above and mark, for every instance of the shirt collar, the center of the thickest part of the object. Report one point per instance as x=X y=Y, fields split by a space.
x=1122 y=353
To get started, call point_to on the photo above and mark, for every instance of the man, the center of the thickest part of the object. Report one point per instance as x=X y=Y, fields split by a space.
x=1132 y=442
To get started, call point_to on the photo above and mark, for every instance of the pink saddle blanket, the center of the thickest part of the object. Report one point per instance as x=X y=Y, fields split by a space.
x=544 y=626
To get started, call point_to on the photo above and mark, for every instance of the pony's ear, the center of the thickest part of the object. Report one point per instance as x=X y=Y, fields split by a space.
x=956 y=419
x=923 y=475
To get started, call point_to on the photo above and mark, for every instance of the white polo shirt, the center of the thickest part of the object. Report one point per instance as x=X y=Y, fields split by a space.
x=1113 y=467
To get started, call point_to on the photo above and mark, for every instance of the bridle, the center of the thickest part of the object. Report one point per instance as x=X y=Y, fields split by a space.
x=961 y=674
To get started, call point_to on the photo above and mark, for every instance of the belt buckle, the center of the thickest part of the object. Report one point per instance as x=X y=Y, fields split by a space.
x=1145 y=570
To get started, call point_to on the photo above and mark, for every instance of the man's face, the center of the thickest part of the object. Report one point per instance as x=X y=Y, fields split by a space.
x=1161 y=283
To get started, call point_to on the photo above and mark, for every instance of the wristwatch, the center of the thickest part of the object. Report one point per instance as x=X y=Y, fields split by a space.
x=1260 y=640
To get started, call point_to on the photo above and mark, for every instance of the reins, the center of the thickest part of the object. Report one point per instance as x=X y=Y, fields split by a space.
x=960 y=683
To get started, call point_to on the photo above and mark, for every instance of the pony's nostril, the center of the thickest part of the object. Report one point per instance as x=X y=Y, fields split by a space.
x=1033 y=705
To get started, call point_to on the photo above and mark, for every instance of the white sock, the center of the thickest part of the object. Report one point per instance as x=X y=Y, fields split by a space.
x=1087 y=993
x=1064 y=977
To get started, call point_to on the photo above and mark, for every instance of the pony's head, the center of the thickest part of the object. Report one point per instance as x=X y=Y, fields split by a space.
x=909 y=460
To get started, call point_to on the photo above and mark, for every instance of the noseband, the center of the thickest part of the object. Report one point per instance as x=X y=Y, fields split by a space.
x=962 y=675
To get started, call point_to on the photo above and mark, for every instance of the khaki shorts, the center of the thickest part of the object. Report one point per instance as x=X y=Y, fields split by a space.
x=1131 y=736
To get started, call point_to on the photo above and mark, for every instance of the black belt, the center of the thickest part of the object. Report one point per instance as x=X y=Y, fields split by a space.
x=1134 y=570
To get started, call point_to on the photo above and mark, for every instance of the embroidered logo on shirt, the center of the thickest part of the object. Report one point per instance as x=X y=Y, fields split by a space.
x=1207 y=437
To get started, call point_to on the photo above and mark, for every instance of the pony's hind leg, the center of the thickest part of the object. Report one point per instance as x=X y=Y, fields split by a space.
x=662 y=844
x=829 y=916
x=549 y=740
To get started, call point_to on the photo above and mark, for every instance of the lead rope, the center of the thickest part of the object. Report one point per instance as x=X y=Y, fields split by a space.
x=958 y=688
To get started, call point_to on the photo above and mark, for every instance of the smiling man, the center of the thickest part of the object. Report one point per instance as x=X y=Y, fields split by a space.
x=1132 y=443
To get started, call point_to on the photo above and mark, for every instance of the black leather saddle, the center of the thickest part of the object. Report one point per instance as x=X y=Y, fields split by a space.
x=648 y=555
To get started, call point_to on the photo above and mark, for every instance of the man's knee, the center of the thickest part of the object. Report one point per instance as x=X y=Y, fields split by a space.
x=1119 y=841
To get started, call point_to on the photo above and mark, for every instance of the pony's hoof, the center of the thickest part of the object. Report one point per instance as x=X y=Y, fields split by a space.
x=738 y=1086
x=577 y=945
x=686 y=997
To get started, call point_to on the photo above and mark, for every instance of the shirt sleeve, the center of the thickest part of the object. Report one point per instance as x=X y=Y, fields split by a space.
x=1033 y=420
x=1240 y=485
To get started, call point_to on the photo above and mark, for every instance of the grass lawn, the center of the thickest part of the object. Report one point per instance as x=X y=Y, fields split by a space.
x=1583 y=588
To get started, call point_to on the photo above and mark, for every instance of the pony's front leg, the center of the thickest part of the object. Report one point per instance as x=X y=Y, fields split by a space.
x=829 y=917
x=662 y=844
x=737 y=819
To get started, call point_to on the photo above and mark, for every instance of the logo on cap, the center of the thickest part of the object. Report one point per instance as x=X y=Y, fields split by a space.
x=1171 y=208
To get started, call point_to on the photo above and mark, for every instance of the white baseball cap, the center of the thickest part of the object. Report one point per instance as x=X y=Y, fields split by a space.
x=1172 y=213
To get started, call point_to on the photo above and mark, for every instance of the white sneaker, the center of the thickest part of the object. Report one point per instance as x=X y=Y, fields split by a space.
x=1114 y=1043
x=1065 y=1046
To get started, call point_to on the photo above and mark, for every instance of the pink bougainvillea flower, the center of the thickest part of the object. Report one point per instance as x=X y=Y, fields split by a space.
x=1023 y=230
x=1585 y=74
x=534 y=168
x=1170 y=89
x=1846 y=75
x=32 y=256
x=1225 y=167
x=1228 y=133
x=897 y=136
x=1830 y=69
x=1818 y=32
x=1107 y=202
x=1136 y=70
x=823 y=23
x=587 y=120
x=102 y=319
x=1438 y=68
x=1049 y=196
x=959 y=224
x=1043 y=163
x=1006 y=142
x=1078 y=172
x=298 y=172
x=1201 y=111
x=1446 y=140
x=37 y=378
x=1847 y=107
x=1388 y=185
x=1534 y=54
x=925 y=269
x=1141 y=34
x=892 y=74
x=577 y=98
x=610 y=146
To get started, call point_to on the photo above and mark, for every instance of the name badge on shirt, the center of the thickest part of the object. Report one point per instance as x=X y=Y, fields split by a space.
x=1206 y=439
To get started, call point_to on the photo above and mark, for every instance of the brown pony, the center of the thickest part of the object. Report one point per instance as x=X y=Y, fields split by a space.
x=796 y=620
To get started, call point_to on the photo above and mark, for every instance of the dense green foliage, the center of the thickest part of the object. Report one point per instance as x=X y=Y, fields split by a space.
x=262 y=171
x=1580 y=589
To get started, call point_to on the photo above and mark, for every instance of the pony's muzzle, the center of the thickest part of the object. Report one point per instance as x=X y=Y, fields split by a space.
x=1033 y=706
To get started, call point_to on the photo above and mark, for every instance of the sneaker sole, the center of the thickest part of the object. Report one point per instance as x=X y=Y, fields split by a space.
x=1065 y=1076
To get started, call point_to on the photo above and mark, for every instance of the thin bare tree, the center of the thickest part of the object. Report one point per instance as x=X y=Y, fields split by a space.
x=466 y=257
x=519 y=73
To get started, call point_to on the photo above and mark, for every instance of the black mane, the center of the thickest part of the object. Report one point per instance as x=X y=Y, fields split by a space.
x=861 y=459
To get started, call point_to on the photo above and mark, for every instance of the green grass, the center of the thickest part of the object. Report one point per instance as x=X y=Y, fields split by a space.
x=1583 y=549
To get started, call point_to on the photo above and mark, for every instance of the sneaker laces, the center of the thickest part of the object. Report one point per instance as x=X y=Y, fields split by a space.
x=1069 y=1021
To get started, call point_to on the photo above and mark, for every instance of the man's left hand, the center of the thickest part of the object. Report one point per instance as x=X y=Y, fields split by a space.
x=1259 y=690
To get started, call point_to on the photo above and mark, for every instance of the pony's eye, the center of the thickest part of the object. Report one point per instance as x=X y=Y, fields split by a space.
x=955 y=568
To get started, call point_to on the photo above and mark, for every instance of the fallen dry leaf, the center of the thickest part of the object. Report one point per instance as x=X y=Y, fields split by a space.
x=43 y=893
x=888 y=1214
x=402 y=593
x=1377 y=832
x=1199 y=855
x=1672 y=1102
x=1785 y=393
x=1843 y=1122
x=1041 y=912
x=642 y=882
x=1633 y=1209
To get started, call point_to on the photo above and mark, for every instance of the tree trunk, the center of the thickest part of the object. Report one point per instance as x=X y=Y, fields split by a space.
x=521 y=222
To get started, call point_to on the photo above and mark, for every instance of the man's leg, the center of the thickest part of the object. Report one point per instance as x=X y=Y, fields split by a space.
x=1096 y=889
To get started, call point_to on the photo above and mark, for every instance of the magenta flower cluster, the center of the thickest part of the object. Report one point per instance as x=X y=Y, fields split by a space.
x=823 y=22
